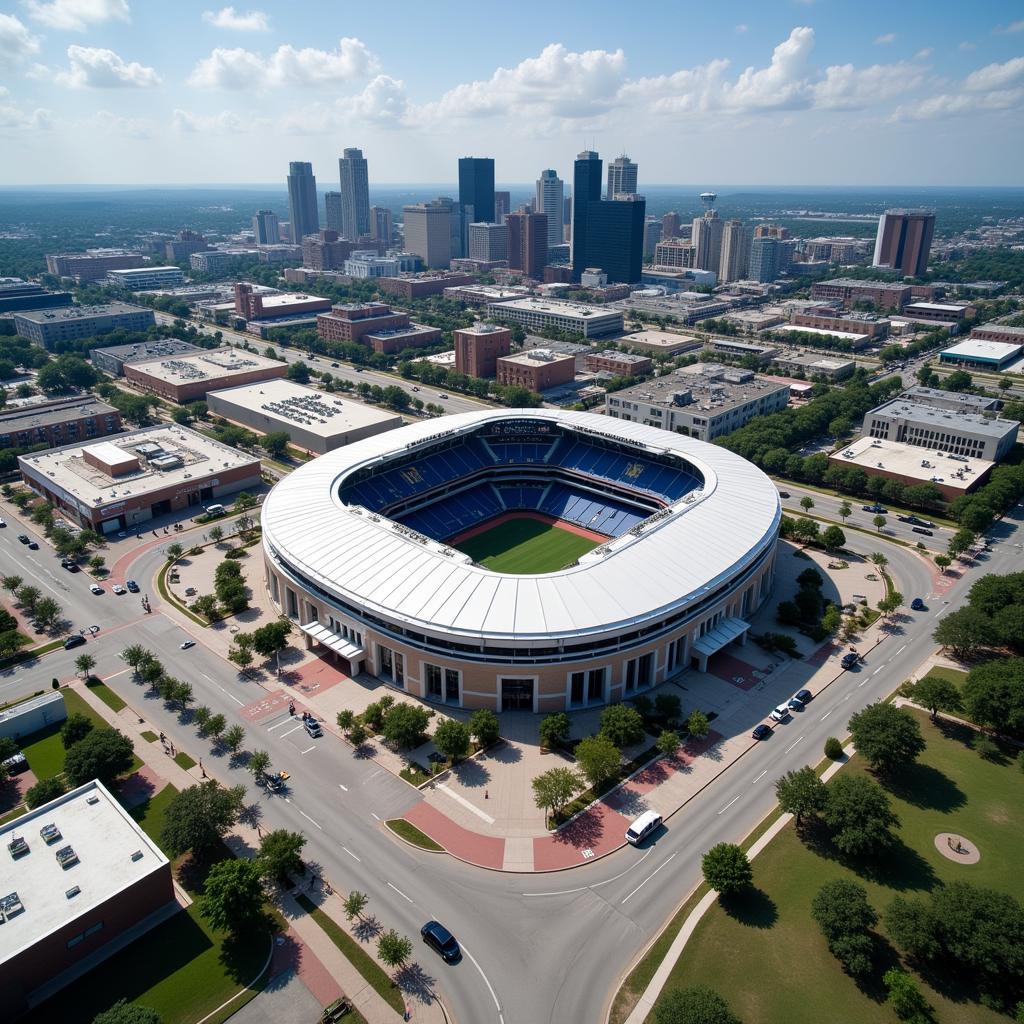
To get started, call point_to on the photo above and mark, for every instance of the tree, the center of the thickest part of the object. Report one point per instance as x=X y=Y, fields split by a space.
x=97 y=564
x=888 y=737
x=259 y=764
x=123 y=1012
x=695 y=1005
x=878 y=559
x=275 y=443
x=965 y=632
x=622 y=724
x=879 y=522
x=271 y=639
x=994 y=695
x=485 y=727
x=217 y=534
x=216 y=725
x=801 y=792
x=232 y=899
x=697 y=725
x=599 y=759
x=281 y=854
x=357 y=734
x=200 y=816
x=554 y=729
x=667 y=705
x=845 y=510
x=181 y=694
x=833 y=538
x=174 y=551
x=152 y=671
x=859 y=816
x=84 y=664
x=726 y=869
x=936 y=694
x=668 y=742
x=103 y=754
x=553 y=789
x=76 y=727
x=345 y=719
x=843 y=914
x=451 y=738
x=28 y=596
x=960 y=542
x=299 y=372
x=234 y=738
x=943 y=562
x=355 y=904
x=134 y=655
x=393 y=949
x=905 y=997
x=912 y=926
x=47 y=612
x=12 y=583
x=807 y=503
x=240 y=655
x=405 y=724
x=44 y=791
x=244 y=502
x=201 y=716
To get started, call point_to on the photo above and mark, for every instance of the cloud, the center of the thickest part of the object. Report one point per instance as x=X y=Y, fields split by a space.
x=13 y=118
x=995 y=76
x=235 y=21
x=924 y=54
x=1011 y=29
x=95 y=68
x=993 y=88
x=114 y=124
x=382 y=102
x=889 y=37
x=224 y=123
x=848 y=88
x=968 y=45
x=286 y=66
x=742 y=28
x=16 y=42
x=77 y=15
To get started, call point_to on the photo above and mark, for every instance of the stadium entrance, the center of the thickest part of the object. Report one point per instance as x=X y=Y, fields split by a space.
x=517 y=694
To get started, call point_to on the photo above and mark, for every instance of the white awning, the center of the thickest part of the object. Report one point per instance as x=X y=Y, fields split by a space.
x=722 y=635
x=335 y=641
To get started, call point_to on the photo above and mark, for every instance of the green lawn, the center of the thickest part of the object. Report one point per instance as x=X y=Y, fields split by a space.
x=526 y=546
x=106 y=694
x=768 y=957
x=411 y=834
x=152 y=814
x=182 y=760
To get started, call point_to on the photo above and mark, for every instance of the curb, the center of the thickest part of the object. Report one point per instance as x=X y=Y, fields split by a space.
x=414 y=846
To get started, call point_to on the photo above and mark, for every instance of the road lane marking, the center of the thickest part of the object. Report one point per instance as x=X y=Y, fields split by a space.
x=490 y=987
x=761 y=776
x=308 y=749
x=222 y=690
x=351 y=854
x=827 y=713
x=374 y=813
x=793 y=744
x=308 y=818
x=873 y=674
x=728 y=805
x=596 y=885
x=399 y=891
x=861 y=683
x=466 y=803
x=340 y=786
x=647 y=879
x=901 y=650
x=290 y=731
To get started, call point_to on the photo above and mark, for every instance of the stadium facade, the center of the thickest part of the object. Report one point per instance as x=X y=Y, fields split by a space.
x=361 y=552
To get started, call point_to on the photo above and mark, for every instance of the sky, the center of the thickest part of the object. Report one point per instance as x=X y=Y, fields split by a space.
x=775 y=92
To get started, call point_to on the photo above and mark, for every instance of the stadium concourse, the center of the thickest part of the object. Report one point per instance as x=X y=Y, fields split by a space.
x=605 y=557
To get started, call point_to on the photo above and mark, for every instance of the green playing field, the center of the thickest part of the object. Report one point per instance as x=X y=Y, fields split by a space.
x=526 y=546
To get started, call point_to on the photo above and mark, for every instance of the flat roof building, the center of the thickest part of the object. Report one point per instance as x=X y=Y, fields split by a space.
x=881 y=294
x=138 y=278
x=762 y=353
x=79 y=874
x=874 y=327
x=59 y=421
x=661 y=342
x=314 y=420
x=704 y=406
x=938 y=312
x=533 y=313
x=123 y=482
x=979 y=354
x=111 y=360
x=422 y=285
x=623 y=364
x=481 y=294
x=956 y=401
x=16 y=295
x=93 y=264
x=478 y=349
x=256 y=306
x=999 y=332
x=46 y=327
x=814 y=365
x=536 y=369
x=190 y=376
x=856 y=340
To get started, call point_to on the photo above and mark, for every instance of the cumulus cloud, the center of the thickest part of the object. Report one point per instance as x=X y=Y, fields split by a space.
x=848 y=88
x=224 y=123
x=993 y=88
x=16 y=42
x=236 y=21
x=1011 y=29
x=995 y=76
x=13 y=118
x=885 y=40
x=77 y=15
x=287 y=66
x=382 y=102
x=96 y=68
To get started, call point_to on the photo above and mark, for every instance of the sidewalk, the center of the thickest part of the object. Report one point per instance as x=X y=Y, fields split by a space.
x=310 y=951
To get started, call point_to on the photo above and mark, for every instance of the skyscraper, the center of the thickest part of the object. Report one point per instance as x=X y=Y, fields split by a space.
x=265 y=228
x=332 y=206
x=670 y=225
x=302 y=205
x=355 y=194
x=735 y=252
x=707 y=239
x=586 y=189
x=652 y=235
x=527 y=242
x=904 y=241
x=615 y=238
x=488 y=242
x=429 y=231
x=764 y=259
x=476 y=187
x=550 y=194
x=621 y=177
x=381 y=226
x=502 y=206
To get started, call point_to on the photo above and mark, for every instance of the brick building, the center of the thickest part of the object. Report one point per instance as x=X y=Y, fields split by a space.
x=326 y=251
x=527 y=243
x=422 y=286
x=188 y=377
x=849 y=291
x=854 y=323
x=623 y=364
x=254 y=306
x=536 y=370
x=374 y=324
x=61 y=421
x=93 y=264
x=478 y=348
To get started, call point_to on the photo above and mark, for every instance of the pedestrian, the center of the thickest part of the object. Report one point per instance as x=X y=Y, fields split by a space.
x=201 y=768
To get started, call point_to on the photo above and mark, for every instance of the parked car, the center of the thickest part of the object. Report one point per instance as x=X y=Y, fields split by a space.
x=849 y=660
x=783 y=494
x=313 y=729
x=804 y=696
x=334 y=365
x=132 y=586
x=642 y=827
x=794 y=704
x=118 y=589
x=340 y=1007
x=67 y=563
x=780 y=713
x=761 y=731
x=442 y=941
x=95 y=588
x=15 y=763
x=879 y=510
x=74 y=641
x=2 y=524
x=920 y=529
x=918 y=605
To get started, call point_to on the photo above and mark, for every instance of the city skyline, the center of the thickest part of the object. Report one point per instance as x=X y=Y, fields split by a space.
x=117 y=92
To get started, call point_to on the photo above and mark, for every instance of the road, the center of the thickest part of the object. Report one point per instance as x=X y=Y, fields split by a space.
x=594 y=919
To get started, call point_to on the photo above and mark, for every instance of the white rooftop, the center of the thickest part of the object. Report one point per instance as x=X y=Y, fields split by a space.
x=973 y=348
x=659 y=339
x=205 y=364
x=843 y=335
x=106 y=841
x=556 y=307
x=908 y=460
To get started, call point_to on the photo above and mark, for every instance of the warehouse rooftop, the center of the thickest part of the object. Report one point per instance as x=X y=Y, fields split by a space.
x=204 y=365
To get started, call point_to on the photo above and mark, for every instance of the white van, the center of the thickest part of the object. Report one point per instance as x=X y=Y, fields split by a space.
x=215 y=510
x=642 y=827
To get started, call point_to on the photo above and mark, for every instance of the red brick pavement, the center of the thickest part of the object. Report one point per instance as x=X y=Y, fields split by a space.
x=485 y=851
x=294 y=954
x=313 y=677
x=594 y=833
x=271 y=704
x=730 y=668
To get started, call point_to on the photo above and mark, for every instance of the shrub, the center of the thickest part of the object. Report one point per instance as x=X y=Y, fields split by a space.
x=76 y=726
x=44 y=791
x=622 y=724
x=451 y=738
x=554 y=729
x=405 y=724
x=727 y=869
x=833 y=749
x=484 y=725
x=844 y=916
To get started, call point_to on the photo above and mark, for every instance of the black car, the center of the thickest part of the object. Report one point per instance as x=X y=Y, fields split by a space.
x=879 y=510
x=74 y=641
x=761 y=732
x=23 y=537
x=849 y=660
x=70 y=566
x=804 y=696
x=441 y=941
x=33 y=546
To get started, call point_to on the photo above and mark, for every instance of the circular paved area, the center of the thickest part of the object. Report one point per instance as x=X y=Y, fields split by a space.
x=957 y=848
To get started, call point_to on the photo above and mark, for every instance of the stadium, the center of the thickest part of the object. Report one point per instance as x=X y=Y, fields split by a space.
x=534 y=560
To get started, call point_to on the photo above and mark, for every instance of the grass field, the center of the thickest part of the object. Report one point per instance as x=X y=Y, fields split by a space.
x=526 y=546
x=768 y=958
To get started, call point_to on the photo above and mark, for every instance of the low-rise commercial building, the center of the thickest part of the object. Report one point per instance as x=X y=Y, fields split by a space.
x=80 y=875
x=753 y=320
x=392 y=340
x=813 y=365
x=111 y=360
x=30 y=716
x=938 y=312
x=480 y=295
x=999 y=332
x=123 y=482
x=536 y=314
x=880 y=294
x=375 y=324
x=137 y=279
x=729 y=346
x=59 y=421
x=191 y=376
x=874 y=327
x=956 y=401
x=979 y=354
x=623 y=364
x=536 y=369
x=704 y=406
x=314 y=420
x=16 y=295
x=661 y=342
x=363 y=264
x=93 y=264
x=422 y=285
x=852 y=340
x=47 y=327
x=252 y=305
x=478 y=349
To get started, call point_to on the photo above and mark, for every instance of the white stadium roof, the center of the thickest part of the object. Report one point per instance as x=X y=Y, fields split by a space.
x=368 y=562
